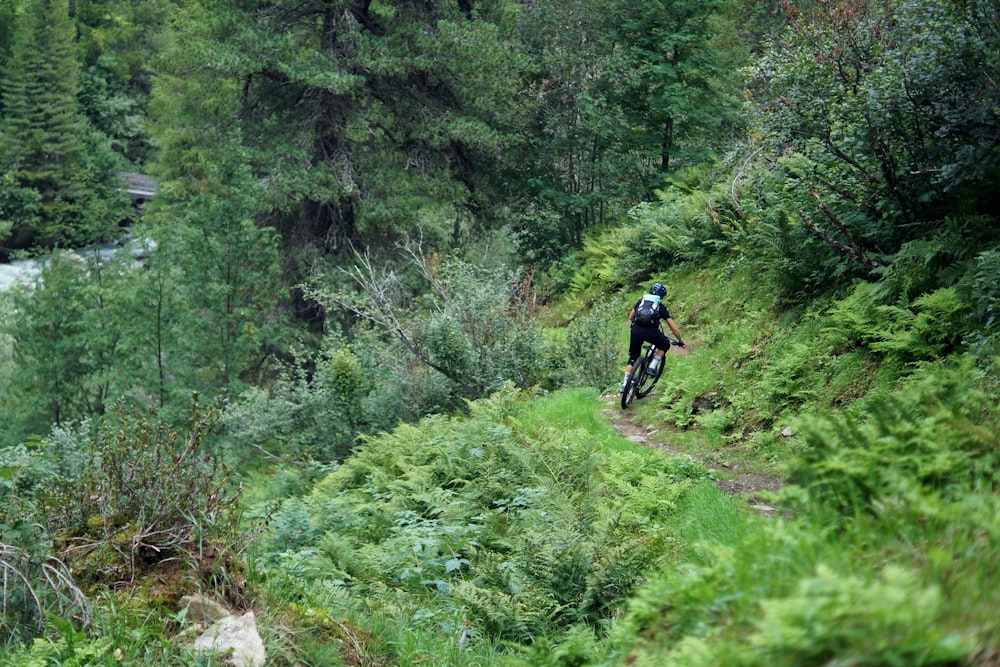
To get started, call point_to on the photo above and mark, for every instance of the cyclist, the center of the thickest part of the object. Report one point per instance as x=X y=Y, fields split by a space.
x=644 y=321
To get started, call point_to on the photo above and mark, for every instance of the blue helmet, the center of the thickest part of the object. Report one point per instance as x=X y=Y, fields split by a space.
x=658 y=290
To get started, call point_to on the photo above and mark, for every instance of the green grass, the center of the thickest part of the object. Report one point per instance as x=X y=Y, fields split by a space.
x=707 y=516
x=571 y=409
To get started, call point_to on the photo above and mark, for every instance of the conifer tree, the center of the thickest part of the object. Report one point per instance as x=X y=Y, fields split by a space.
x=40 y=148
x=677 y=83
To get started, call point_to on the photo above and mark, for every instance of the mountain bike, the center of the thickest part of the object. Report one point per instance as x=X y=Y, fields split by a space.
x=641 y=382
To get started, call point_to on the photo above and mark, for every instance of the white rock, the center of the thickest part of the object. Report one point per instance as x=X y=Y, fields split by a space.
x=237 y=634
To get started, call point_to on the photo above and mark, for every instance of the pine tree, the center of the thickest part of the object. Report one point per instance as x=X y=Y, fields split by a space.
x=39 y=147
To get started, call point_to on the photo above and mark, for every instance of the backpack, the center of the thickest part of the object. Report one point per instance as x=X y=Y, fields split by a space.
x=647 y=312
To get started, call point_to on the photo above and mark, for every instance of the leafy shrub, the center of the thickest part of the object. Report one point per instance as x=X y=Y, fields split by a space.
x=315 y=408
x=542 y=236
x=593 y=348
x=34 y=582
x=472 y=324
x=147 y=493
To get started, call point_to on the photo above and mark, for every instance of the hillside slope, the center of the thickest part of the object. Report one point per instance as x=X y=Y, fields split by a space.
x=557 y=530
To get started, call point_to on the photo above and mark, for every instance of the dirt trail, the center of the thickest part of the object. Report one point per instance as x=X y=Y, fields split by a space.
x=730 y=479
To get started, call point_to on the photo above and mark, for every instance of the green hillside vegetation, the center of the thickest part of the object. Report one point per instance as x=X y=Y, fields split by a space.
x=527 y=531
x=364 y=382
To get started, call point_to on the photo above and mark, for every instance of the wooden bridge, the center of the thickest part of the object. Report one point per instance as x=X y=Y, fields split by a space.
x=139 y=186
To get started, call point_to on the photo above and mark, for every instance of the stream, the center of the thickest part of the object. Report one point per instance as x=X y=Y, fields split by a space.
x=25 y=270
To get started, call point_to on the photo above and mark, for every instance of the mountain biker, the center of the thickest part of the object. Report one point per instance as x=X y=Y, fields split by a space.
x=644 y=321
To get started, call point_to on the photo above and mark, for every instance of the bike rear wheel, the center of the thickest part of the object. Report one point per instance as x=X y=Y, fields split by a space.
x=634 y=382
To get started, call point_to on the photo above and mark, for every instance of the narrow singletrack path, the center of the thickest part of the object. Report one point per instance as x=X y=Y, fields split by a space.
x=729 y=478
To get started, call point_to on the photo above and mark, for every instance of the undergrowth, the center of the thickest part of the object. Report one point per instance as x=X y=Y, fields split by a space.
x=526 y=531
x=508 y=525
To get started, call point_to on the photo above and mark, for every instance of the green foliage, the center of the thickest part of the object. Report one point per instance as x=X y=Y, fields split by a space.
x=602 y=261
x=50 y=158
x=938 y=259
x=542 y=236
x=68 y=331
x=869 y=156
x=123 y=633
x=20 y=207
x=114 y=86
x=592 y=349
x=473 y=326
x=690 y=220
x=575 y=171
x=795 y=600
x=522 y=530
x=979 y=288
x=851 y=618
x=693 y=218
x=933 y=439
x=316 y=408
x=343 y=124
x=491 y=310
x=216 y=282
x=358 y=127
x=74 y=649
x=929 y=327
x=675 y=79
x=982 y=287
x=34 y=586
x=146 y=493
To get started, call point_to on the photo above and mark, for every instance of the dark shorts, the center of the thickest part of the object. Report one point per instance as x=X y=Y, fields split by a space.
x=642 y=334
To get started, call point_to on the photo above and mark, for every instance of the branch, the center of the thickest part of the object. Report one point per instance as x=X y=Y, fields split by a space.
x=379 y=307
x=859 y=252
x=854 y=253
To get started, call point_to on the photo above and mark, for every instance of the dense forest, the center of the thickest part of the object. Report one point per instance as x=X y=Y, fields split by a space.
x=357 y=379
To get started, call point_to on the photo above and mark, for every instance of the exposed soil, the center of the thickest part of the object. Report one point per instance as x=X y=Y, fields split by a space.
x=729 y=477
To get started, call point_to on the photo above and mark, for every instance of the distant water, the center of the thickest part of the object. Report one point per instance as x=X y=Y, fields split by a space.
x=20 y=270
x=25 y=270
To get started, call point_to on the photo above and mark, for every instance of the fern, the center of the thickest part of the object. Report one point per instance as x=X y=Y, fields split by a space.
x=924 y=441
x=942 y=254
x=830 y=615
x=521 y=529
x=925 y=329
x=598 y=260
x=931 y=328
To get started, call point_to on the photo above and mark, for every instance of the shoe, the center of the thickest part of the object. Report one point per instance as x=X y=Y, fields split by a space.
x=621 y=390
